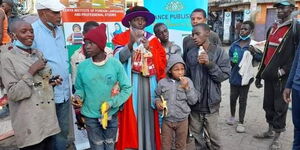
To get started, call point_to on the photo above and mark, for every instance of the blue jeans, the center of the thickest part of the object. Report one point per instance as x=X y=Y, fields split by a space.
x=99 y=138
x=296 y=118
x=62 y=112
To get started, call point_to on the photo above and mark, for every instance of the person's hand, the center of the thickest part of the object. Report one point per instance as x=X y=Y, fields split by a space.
x=184 y=83
x=3 y=100
x=145 y=42
x=159 y=105
x=258 y=83
x=115 y=90
x=76 y=101
x=133 y=38
x=203 y=58
x=287 y=95
x=56 y=80
x=37 y=66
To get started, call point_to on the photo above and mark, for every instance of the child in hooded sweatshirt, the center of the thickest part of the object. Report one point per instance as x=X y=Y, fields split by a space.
x=174 y=95
x=96 y=77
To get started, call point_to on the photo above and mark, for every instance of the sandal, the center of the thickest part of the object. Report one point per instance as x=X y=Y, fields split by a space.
x=275 y=145
x=264 y=135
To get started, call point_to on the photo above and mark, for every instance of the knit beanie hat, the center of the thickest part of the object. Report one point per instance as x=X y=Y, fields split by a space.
x=97 y=36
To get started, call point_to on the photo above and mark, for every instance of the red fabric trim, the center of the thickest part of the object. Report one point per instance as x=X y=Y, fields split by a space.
x=128 y=133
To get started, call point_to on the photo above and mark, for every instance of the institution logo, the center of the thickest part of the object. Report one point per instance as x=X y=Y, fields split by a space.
x=174 y=5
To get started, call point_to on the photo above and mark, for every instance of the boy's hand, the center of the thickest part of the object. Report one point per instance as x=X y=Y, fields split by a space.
x=184 y=83
x=203 y=58
x=258 y=83
x=159 y=105
x=76 y=101
x=56 y=80
x=115 y=90
x=37 y=66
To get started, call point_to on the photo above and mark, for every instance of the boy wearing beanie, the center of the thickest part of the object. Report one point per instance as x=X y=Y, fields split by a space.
x=96 y=77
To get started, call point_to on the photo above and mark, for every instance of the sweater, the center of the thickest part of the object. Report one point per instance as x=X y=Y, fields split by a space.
x=94 y=85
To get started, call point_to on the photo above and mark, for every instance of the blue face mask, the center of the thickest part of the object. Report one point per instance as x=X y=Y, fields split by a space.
x=244 y=38
x=19 y=44
x=51 y=24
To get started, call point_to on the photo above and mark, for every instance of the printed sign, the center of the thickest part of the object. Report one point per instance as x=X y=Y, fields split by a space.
x=175 y=14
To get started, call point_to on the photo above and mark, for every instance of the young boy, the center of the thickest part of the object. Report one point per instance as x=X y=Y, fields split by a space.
x=162 y=33
x=79 y=55
x=27 y=79
x=207 y=69
x=95 y=79
x=241 y=74
x=178 y=92
x=198 y=15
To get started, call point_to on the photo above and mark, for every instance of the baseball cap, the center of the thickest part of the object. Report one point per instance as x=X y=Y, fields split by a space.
x=284 y=3
x=53 y=5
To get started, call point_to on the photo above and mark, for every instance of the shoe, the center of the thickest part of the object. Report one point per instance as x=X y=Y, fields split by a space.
x=275 y=145
x=240 y=128
x=230 y=121
x=265 y=135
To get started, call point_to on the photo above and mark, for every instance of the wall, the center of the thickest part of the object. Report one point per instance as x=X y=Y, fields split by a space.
x=265 y=16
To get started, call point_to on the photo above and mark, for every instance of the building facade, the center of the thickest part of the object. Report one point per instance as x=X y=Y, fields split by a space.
x=261 y=12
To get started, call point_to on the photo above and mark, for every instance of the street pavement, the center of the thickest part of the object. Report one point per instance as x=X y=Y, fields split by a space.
x=255 y=122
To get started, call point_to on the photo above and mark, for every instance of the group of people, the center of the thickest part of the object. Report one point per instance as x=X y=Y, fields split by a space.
x=278 y=69
x=150 y=94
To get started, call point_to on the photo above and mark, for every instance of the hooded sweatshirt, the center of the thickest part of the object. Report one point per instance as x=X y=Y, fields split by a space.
x=178 y=99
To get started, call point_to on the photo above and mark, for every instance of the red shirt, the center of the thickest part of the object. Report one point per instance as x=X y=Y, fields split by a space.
x=275 y=37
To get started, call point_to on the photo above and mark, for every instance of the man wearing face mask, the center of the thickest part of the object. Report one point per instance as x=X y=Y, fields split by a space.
x=242 y=74
x=274 y=69
x=49 y=38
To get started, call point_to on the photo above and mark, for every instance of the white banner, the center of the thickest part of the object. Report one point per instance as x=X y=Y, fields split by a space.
x=247 y=14
x=227 y=24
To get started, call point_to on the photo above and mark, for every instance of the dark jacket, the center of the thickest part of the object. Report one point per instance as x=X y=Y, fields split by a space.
x=235 y=77
x=216 y=72
x=178 y=99
x=282 y=58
